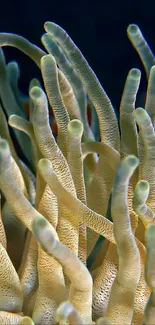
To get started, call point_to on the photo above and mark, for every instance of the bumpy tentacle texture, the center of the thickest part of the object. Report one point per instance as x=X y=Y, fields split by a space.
x=80 y=295
x=136 y=37
x=124 y=286
x=91 y=83
x=149 y=314
x=77 y=214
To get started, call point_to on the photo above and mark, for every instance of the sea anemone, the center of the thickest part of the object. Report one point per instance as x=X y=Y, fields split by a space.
x=77 y=230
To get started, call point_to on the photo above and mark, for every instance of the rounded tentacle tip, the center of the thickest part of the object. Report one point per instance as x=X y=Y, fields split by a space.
x=43 y=232
x=125 y=169
x=132 y=161
x=36 y=93
x=152 y=70
x=48 y=40
x=47 y=59
x=141 y=116
x=50 y=27
x=12 y=121
x=75 y=127
x=44 y=165
x=141 y=194
x=133 y=30
x=143 y=189
x=144 y=184
x=135 y=74
x=139 y=111
x=26 y=321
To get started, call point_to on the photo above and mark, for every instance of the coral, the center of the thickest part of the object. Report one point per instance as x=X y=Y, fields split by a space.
x=77 y=233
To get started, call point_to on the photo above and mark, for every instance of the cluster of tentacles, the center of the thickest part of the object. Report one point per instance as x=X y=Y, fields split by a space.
x=77 y=233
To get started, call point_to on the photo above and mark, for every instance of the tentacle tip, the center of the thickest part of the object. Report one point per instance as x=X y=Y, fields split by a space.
x=12 y=119
x=133 y=29
x=75 y=127
x=36 y=93
x=44 y=164
x=144 y=185
x=136 y=73
x=132 y=160
x=152 y=69
x=26 y=321
x=43 y=231
x=48 y=59
x=43 y=37
x=48 y=26
x=139 y=114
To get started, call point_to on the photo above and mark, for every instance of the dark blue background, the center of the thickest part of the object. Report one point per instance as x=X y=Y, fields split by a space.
x=97 y=27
